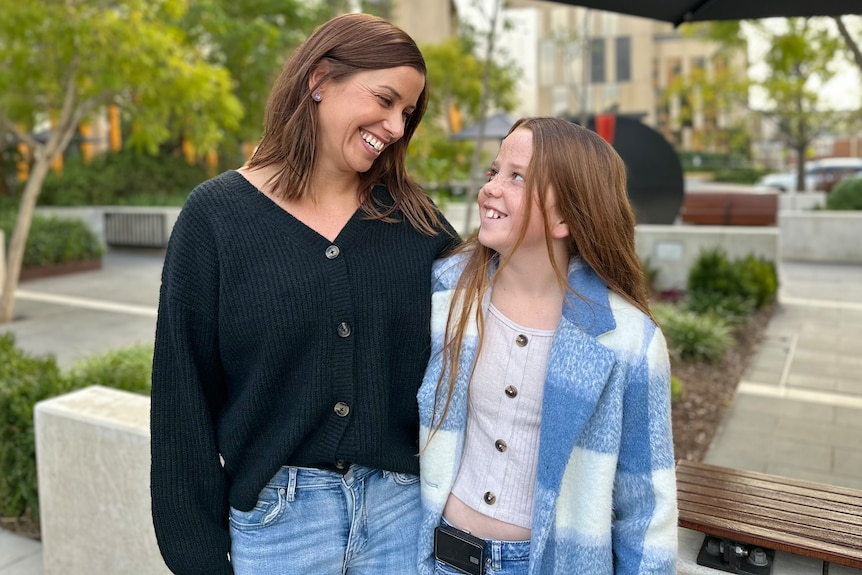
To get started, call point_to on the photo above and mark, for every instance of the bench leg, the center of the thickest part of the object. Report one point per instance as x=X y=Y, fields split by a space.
x=733 y=557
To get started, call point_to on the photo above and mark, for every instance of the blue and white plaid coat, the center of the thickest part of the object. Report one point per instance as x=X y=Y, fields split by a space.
x=605 y=499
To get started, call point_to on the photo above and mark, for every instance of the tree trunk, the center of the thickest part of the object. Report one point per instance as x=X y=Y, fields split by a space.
x=800 y=169
x=19 y=236
x=473 y=191
x=851 y=43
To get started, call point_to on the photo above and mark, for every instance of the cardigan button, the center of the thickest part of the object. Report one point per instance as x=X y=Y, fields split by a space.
x=340 y=464
x=521 y=340
x=341 y=409
x=343 y=329
x=511 y=391
x=332 y=252
x=489 y=498
x=501 y=446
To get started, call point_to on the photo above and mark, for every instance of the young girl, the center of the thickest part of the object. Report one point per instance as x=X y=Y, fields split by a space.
x=545 y=409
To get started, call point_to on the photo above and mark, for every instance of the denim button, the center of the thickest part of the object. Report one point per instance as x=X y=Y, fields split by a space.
x=343 y=329
x=341 y=409
x=332 y=252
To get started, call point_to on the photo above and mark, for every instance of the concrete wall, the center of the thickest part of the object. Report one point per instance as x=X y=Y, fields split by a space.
x=672 y=249
x=832 y=236
x=94 y=216
x=93 y=461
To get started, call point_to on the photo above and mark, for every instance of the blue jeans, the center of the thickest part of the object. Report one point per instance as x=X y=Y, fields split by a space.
x=501 y=558
x=314 y=521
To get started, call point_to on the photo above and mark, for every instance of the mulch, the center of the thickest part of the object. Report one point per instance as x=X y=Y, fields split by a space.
x=709 y=389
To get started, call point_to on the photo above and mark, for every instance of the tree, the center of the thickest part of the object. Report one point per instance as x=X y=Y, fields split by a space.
x=433 y=157
x=60 y=62
x=483 y=38
x=799 y=61
x=852 y=45
x=251 y=39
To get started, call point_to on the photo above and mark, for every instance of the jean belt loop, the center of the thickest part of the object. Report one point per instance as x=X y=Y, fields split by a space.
x=496 y=555
x=291 y=483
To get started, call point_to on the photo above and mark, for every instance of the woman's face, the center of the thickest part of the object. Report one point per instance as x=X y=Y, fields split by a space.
x=363 y=114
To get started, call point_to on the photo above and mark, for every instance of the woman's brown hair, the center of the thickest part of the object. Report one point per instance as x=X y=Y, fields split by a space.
x=588 y=179
x=343 y=46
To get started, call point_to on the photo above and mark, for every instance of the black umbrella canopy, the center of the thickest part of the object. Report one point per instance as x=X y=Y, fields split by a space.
x=680 y=11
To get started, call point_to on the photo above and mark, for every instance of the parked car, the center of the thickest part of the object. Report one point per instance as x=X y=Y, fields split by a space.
x=821 y=175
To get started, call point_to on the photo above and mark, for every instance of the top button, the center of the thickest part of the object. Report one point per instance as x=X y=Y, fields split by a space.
x=521 y=340
x=341 y=409
x=332 y=252
x=511 y=391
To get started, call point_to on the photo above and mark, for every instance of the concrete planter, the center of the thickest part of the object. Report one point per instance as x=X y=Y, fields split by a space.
x=51 y=270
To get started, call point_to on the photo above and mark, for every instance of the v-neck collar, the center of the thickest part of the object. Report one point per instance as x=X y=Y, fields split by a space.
x=297 y=231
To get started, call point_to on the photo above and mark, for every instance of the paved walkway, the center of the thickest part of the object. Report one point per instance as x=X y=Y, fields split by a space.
x=798 y=410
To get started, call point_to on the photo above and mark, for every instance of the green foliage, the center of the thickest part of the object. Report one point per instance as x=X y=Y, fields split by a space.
x=56 y=240
x=733 y=309
x=129 y=369
x=677 y=388
x=134 y=53
x=691 y=336
x=123 y=178
x=738 y=175
x=847 y=195
x=250 y=39
x=761 y=276
x=26 y=380
x=730 y=289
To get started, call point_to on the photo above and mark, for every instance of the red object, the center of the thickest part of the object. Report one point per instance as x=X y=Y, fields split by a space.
x=606 y=126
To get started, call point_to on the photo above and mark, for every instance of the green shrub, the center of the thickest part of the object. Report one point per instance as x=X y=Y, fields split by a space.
x=129 y=369
x=730 y=308
x=761 y=276
x=55 y=240
x=693 y=337
x=123 y=178
x=24 y=380
x=720 y=286
x=738 y=175
x=847 y=195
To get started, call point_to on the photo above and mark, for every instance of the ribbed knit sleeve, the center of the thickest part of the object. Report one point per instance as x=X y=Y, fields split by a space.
x=189 y=487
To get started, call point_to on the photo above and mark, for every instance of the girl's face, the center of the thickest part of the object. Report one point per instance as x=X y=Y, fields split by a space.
x=362 y=115
x=503 y=200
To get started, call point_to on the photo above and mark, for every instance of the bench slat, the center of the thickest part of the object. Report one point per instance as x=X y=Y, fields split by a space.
x=805 y=518
x=763 y=499
x=832 y=493
x=750 y=510
x=777 y=522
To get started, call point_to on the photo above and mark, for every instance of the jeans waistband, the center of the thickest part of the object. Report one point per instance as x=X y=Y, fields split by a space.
x=498 y=550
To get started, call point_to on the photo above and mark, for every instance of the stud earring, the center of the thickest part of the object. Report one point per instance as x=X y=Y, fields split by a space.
x=317 y=97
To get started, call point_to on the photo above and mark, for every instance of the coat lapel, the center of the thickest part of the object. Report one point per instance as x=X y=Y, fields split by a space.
x=579 y=368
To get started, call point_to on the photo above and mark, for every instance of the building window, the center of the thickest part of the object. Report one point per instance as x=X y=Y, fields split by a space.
x=624 y=59
x=597 y=60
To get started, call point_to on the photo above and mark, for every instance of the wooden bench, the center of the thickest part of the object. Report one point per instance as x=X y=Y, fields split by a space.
x=730 y=208
x=771 y=512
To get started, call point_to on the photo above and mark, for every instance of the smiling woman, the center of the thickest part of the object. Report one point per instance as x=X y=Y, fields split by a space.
x=293 y=328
